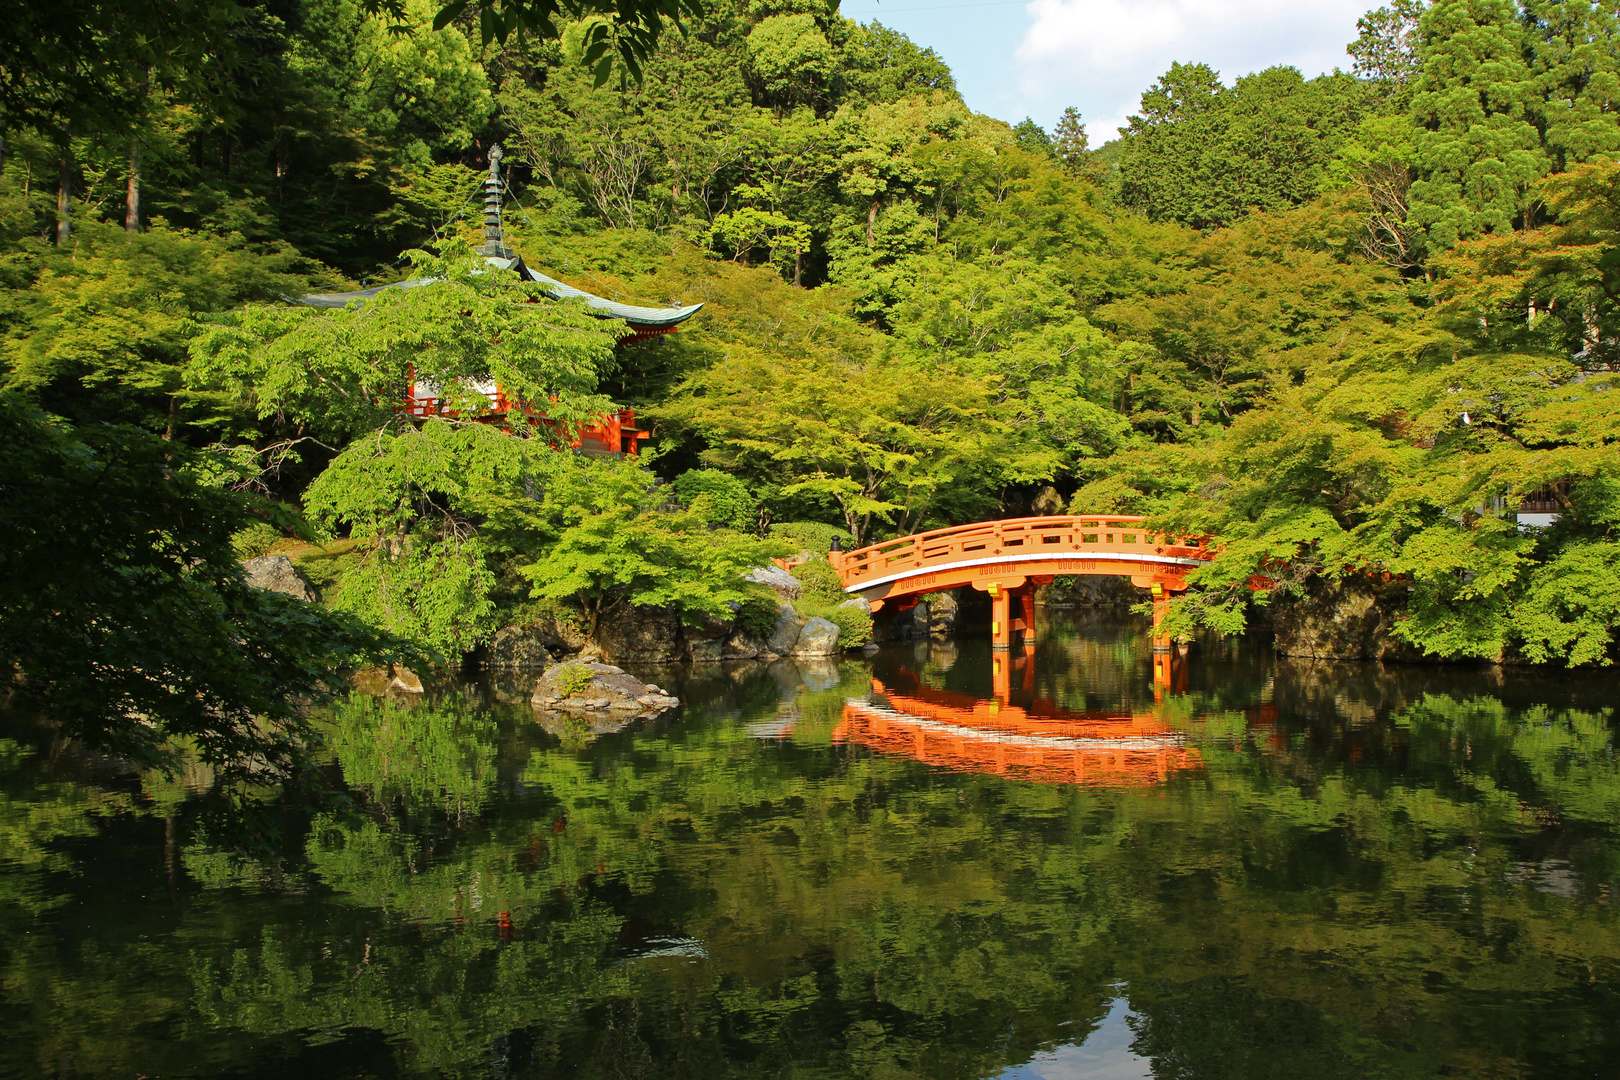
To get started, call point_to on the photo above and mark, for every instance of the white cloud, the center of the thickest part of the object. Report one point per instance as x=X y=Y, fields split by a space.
x=1100 y=55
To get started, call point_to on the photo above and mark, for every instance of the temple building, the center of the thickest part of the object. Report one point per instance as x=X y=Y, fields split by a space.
x=615 y=434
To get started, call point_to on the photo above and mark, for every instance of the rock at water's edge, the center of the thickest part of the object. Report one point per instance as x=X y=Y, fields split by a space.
x=649 y=634
x=565 y=687
x=785 y=634
x=942 y=614
x=1350 y=619
x=819 y=637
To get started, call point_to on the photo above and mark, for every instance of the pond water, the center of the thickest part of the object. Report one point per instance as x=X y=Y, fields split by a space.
x=880 y=868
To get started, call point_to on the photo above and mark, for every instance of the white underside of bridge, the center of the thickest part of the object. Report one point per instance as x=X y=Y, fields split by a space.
x=1036 y=556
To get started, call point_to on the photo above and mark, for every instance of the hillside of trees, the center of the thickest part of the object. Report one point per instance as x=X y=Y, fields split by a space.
x=1345 y=323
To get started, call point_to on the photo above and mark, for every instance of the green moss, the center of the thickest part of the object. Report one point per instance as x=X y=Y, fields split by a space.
x=326 y=565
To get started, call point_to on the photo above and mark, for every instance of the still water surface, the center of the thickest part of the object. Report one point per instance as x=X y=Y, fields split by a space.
x=876 y=869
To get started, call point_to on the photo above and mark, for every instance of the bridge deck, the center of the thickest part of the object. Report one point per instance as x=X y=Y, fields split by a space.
x=1019 y=548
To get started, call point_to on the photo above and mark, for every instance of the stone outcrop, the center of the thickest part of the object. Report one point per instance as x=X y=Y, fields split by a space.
x=1091 y=591
x=533 y=644
x=1046 y=504
x=1350 y=619
x=706 y=639
x=942 y=612
x=741 y=647
x=644 y=634
x=522 y=648
x=584 y=686
x=276 y=573
x=785 y=584
x=889 y=624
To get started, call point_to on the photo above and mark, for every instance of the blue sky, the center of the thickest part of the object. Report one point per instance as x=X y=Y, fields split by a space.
x=1017 y=58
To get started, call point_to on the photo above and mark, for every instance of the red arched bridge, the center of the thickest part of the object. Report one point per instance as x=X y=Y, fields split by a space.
x=1007 y=559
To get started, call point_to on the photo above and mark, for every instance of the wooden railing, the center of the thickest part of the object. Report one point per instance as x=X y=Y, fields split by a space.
x=1015 y=540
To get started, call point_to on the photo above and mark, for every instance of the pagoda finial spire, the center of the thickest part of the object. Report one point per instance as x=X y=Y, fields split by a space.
x=494 y=248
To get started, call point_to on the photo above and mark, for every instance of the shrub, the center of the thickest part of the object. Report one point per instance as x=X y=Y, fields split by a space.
x=718 y=498
x=820 y=581
x=574 y=679
x=756 y=616
x=255 y=540
x=813 y=536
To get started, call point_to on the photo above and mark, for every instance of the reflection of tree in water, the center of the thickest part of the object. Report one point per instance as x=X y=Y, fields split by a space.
x=1221 y=1029
x=691 y=899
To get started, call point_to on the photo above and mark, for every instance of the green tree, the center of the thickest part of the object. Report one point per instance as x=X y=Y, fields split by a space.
x=875 y=442
x=1033 y=138
x=1203 y=155
x=614 y=544
x=460 y=329
x=1070 y=142
x=125 y=615
x=1478 y=152
x=1386 y=47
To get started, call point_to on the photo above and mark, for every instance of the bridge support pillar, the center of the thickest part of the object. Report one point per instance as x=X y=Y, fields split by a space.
x=1000 y=618
x=1161 y=641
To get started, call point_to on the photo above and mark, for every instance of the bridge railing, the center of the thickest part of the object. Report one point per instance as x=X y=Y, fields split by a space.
x=1066 y=536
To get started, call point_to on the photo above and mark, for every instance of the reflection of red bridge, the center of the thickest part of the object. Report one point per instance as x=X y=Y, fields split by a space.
x=1038 y=742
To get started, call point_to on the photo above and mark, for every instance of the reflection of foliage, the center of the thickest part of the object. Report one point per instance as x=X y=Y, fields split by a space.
x=435 y=755
x=38 y=812
x=858 y=913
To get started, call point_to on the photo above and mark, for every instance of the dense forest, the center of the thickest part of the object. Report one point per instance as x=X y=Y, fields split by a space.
x=1346 y=324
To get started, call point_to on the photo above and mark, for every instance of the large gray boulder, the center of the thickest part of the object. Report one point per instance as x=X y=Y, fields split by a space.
x=276 y=573
x=706 y=650
x=892 y=625
x=589 y=686
x=942 y=613
x=786 y=585
x=521 y=647
x=818 y=637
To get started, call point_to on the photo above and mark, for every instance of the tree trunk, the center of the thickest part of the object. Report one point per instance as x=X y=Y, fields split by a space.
x=798 y=267
x=64 y=198
x=132 y=193
x=871 y=219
